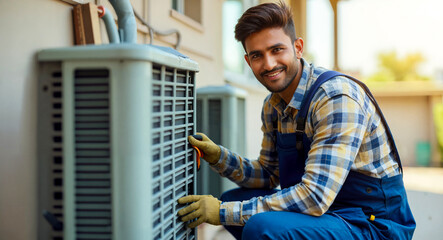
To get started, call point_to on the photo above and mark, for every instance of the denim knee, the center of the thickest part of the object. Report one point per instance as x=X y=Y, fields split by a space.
x=256 y=227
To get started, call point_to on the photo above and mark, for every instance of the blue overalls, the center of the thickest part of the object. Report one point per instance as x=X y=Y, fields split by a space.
x=351 y=216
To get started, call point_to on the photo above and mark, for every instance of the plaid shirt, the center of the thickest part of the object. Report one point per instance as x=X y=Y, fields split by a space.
x=346 y=134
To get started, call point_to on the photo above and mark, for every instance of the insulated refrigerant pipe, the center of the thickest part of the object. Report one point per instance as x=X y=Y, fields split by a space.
x=111 y=28
x=127 y=26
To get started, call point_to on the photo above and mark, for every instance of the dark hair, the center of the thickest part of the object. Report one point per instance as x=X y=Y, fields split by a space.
x=266 y=15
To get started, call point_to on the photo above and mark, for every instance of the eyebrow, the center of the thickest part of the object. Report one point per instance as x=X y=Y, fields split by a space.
x=268 y=48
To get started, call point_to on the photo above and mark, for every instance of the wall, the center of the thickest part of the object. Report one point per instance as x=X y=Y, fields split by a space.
x=25 y=27
x=28 y=26
x=407 y=107
x=201 y=43
x=408 y=124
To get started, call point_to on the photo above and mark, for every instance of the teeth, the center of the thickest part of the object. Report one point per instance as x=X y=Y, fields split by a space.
x=273 y=74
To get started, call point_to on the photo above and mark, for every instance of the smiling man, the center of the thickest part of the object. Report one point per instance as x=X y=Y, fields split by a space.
x=274 y=60
x=325 y=142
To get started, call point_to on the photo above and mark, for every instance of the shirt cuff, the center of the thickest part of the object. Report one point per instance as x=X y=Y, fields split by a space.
x=230 y=214
x=224 y=153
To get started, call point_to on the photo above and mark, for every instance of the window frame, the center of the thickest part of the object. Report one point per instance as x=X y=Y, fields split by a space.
x=246 y=77
x=75 y=2
x=188 y=12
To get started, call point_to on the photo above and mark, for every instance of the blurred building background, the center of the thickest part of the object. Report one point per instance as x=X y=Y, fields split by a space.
x=412 y=104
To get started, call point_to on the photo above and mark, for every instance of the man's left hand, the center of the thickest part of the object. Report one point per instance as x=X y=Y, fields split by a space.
x=205 y=208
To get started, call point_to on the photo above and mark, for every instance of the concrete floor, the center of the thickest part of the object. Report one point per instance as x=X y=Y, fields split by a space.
x=425 y=194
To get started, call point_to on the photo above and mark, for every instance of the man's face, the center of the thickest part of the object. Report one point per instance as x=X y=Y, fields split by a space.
x=273 y=58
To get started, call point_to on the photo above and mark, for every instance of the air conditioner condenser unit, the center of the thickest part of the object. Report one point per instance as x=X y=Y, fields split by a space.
x=113 y=155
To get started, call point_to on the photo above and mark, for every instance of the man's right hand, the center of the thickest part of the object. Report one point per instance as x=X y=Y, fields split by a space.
x=210 y=150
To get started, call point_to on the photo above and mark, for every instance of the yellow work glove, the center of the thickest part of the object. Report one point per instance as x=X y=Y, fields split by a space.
x=205 y=208
x=211 y=151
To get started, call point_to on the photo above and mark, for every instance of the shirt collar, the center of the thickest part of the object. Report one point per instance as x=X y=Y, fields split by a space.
x=280 y=105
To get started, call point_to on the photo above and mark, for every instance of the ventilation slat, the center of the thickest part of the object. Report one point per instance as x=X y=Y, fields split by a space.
x=93 y=176
x=94 y=199
x=92 y=118
x=93 y=222
x=92 y=125
x=92 y=139
x=91 y=89
x=86 y=104
x=99 y=146
x=90 y=206
x=92 y=112
x=94 y=214
x=90 y=160
x=92 y=191
x=91 y=132
x=92 y=96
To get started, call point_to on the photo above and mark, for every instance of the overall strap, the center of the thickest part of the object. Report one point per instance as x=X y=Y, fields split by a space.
x=302 y=114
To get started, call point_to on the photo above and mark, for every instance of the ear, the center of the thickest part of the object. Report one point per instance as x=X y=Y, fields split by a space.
x=247 y=60
x=298 y=46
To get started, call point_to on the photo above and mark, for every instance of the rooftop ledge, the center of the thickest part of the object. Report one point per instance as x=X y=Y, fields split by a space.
x=407 y=88
x=423 y=179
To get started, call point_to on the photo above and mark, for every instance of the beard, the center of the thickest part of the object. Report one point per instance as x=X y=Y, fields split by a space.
x=287 y=81
x=291 y=72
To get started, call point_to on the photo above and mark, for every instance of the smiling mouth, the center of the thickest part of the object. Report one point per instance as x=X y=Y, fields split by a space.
x=273 y=76
x=273 y=73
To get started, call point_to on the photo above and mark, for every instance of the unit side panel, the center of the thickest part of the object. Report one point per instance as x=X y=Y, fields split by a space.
x=88 y=178
x=49 y=147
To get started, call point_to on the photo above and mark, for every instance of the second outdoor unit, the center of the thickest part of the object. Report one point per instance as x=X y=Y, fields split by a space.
x=221 y=115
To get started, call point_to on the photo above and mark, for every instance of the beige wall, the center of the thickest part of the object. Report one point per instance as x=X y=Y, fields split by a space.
x=200 y=42
x=408 y=108
x=28 y=26
x=411 y=120
x=408 y=124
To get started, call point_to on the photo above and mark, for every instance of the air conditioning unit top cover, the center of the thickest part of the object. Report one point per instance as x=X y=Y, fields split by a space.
x=152 y=53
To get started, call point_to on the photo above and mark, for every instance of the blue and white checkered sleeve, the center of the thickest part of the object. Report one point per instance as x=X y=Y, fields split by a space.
x=339 y=124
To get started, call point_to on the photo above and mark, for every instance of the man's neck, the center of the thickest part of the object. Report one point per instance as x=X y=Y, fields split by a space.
x=288 y=93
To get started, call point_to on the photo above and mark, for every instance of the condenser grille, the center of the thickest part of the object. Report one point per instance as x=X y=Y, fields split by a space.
x=172 y=158
x=93 y=215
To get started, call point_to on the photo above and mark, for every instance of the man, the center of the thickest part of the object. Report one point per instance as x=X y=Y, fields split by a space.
x=325 y=142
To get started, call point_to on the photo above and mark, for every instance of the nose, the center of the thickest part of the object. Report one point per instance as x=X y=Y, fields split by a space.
x=269 y=63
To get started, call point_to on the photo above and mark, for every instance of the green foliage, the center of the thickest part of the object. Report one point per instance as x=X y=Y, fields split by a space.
x=382 y=76
x=438 y=119
x=394 y=68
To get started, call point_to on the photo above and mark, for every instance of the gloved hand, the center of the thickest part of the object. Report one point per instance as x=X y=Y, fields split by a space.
x=205 y=208
x=210 y=150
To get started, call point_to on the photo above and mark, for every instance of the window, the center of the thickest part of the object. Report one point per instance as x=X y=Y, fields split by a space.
x=179 y=6
x=232 y=49
x=236 y=69
x=189 y=8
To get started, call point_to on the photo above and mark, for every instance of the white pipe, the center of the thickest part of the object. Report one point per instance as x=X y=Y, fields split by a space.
x=126 y=20
x=111 y=28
